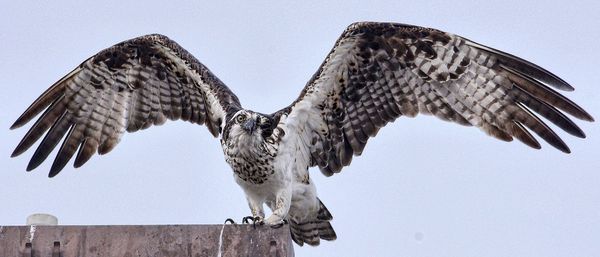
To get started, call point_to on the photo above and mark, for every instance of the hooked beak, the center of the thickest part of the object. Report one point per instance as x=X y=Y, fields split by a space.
x=249 y=126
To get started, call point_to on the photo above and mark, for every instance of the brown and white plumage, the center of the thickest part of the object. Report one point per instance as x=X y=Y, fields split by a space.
x=127 y=87
x=375 y=73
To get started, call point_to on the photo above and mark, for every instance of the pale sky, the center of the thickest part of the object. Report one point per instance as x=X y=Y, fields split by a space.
x=423 y=187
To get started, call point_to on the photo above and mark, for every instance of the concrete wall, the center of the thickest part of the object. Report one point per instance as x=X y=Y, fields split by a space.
x=142 y=241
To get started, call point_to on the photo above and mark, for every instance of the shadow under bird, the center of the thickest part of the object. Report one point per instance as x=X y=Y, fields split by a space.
x=375 y=73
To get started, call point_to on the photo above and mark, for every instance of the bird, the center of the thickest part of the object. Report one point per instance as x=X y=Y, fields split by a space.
x=375 y=73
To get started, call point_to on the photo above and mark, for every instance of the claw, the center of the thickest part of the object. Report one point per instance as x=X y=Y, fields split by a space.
x=255 y=220
x=245 y=219
x=230 y=221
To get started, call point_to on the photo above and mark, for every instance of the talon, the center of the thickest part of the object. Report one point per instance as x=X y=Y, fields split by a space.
x=258 y=221
x=255 y=220
x=230 y=221
x=245 y=219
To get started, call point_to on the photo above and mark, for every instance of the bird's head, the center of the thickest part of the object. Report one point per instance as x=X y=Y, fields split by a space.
x=249 y=125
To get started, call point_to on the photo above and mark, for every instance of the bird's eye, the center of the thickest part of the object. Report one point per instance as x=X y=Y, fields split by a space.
x=240 y=118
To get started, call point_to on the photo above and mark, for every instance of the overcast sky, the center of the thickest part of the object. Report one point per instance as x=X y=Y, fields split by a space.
x=423 y=187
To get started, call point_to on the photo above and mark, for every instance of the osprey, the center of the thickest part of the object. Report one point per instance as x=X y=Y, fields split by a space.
x=375 y=73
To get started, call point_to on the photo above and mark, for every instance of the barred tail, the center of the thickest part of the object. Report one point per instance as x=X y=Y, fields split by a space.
x=310 y=231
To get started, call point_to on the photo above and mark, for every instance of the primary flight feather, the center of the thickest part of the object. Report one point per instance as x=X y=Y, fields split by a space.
x=375 y=73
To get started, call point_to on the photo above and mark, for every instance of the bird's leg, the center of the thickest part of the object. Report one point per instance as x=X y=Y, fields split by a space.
x=280 y=209
x=258 y=213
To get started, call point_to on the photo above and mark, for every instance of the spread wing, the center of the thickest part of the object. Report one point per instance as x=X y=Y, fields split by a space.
x=127 y=87
x=377 y=72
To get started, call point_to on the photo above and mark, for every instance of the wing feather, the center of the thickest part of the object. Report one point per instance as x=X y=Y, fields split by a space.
x=87 y=149
x=130 y=86
x=524 y=67
x=377 y=72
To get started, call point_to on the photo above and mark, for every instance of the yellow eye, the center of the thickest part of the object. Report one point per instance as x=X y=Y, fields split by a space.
x=240 y=118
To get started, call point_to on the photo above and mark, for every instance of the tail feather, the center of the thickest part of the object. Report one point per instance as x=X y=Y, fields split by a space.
x=323 y=213
x=312 y=231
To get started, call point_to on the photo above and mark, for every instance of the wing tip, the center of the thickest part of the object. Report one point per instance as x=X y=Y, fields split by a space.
x=30 y=167
x=57 y=166
x=78 y=163
x=581 y=113
x=561 y=146
x=586 y=116
x=22 y=120
x=15 y=153
x=525 y=67
x=16 y=125
x=562 y=84
x=33 y=165
x=567 y=87
x=577 y=132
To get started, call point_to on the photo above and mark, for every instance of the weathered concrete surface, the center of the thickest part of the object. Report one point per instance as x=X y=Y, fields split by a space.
x=143 y=241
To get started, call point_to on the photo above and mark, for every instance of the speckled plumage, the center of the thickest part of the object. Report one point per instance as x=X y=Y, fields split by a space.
x=254 y=162
x=375 y=73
